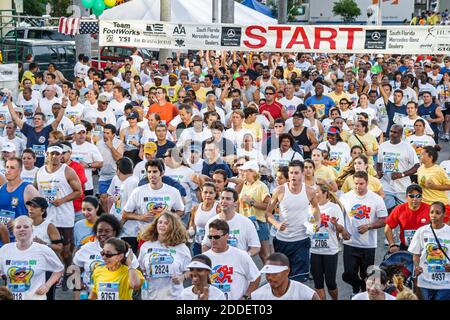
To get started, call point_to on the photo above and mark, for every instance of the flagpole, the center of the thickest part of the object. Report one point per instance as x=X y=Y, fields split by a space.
x=99 y=49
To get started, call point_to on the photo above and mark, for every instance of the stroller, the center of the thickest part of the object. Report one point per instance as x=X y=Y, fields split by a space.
x=398 y=264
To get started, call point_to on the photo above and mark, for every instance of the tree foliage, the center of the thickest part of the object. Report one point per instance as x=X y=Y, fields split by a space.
x=347 y=9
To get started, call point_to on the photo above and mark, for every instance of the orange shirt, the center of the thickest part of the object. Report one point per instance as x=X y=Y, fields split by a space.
x=167 y=111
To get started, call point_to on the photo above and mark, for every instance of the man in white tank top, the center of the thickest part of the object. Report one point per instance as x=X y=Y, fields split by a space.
x=59 y=185
x=294 y=199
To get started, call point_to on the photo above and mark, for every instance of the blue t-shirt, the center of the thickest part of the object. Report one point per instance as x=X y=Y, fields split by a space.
x=394 y=113
x=161 y=150
x=323 y=104
x=37 y=141
x=12 y=204
x=82 y=233
x=208 y=169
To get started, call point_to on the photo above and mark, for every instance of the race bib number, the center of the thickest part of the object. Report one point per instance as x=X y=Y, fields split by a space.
x=397 y=117
x=18 y=290
x=6 y=216
x=49 y=192
x=199 y=235
x=390 y=164
x=409 y=234
x=160 y=263
x=320 y=239
x=39 y=150
x=108 y=291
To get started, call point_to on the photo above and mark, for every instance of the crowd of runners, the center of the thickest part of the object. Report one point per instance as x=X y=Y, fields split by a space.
x=175 y=181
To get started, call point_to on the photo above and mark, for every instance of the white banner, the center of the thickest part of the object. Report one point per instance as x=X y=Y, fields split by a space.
x=275 y=38
x=9 y=72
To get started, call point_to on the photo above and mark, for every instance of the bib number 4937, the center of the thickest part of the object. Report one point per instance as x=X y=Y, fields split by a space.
x=438 y=276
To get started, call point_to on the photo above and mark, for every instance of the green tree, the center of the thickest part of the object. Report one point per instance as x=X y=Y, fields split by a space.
x=34 y=7
x=347 y=9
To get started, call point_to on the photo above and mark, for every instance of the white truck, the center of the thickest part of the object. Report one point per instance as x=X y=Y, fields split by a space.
x=321 y=11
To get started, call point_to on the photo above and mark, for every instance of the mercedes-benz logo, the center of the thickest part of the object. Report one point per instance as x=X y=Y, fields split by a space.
x=231 y=33
x=376 y=36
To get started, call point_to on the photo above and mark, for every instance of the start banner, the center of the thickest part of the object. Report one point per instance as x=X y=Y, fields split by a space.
x=274 y=38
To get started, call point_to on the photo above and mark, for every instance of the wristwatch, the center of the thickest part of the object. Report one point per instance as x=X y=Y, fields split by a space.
x=403 y=175
x=252 y=203
x=89 y=165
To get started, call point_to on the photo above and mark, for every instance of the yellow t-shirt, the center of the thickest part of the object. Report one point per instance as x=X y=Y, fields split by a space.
x=374 y=184
x=201 y=94
x=325 y=173
x=172 y=92
x=258 y=191
x=336 y=98
x=255 y=128
x=437 y=175
x=113 y=285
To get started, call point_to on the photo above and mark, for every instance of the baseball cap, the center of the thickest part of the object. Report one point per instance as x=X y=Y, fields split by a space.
x=103 y=98
x=78 y=128
x=38 y=201
x=8 y=147
x=150 y=147
x=198 y=265
x=380 y=56
x=158 y=76
x=269 y=268
x=66 y=146
x=195 y=80
x=333 y=130
x=250 y=165
x=298 y=114
x=55 y=149
x=133 y=115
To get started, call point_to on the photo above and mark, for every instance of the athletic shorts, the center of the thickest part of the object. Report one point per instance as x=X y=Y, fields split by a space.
x=66 y=235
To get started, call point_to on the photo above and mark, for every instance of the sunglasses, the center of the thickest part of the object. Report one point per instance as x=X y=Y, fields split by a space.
x=414 y=196
x=269 y=93
x=215 y=237
x=108 y=255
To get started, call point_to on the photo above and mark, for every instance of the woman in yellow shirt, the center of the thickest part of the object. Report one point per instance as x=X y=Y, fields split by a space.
x=432 y=178
x=324 y=174
x=253 y=201
x=116 y=280
x=362 y=137
x=361 y=163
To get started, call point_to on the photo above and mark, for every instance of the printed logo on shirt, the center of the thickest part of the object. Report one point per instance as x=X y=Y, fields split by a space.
x=360 y=212
x=390 y=161
x=222 y=277
x=157 y=205
x=14 y=201
x=20 y=274
x=97 y=262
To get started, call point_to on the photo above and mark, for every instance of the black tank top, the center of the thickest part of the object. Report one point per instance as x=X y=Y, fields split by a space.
x=303 y=140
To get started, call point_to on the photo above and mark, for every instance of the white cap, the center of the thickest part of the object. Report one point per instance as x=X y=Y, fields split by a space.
x=55 y=149
x=380 y=56
x=250 y=165
x=78 y=128
x=270 y=268
x=198 y=265
x=8 y=147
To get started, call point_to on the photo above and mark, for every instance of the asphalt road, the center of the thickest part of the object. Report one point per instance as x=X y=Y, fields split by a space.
x=344 y=289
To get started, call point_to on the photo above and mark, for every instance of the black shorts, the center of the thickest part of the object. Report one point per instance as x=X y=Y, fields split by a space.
x=446 y=112
x=66 y=235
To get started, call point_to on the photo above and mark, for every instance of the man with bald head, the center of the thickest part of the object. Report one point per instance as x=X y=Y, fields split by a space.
x=396 y=162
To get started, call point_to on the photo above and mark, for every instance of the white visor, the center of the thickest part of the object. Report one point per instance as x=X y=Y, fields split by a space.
x=269 y=268
x=198 y=265
x=55 y=149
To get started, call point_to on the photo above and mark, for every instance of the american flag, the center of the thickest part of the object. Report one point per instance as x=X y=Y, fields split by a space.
x=74 y=26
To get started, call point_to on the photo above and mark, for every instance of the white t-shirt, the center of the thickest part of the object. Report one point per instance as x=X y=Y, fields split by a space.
x=409 y=95
x=29 y=106
x=88 y=153
x=276 y=159
x=65 y=125
x=359 y=211
x=242 y=234
x=183 y=176
x=121 y=191
x=432 y=260
x=46 y=107
x=420 y=142
x=213 y=294
x=191 y=134
x=25 y=269
x=118 y=107
x=396 y=158
x=339 y=154
x=75 y=113
x=446 y=165
x=370 y=112
x=296 y=291
x=88 y=257
x=160 y=263
x=237 y=137
x=29 y=175
x=109 y=168
x=290 y=106
x=325 y=241
x=408 y=126
x=139 y=170
x=233 y=270
x=365 y=296
x=143 y=199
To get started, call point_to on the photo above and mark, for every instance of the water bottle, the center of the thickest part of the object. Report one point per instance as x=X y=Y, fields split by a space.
x=84 y=295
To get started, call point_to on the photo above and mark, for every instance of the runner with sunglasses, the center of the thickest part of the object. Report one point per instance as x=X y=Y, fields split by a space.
x=409 y=217
x=117 y=278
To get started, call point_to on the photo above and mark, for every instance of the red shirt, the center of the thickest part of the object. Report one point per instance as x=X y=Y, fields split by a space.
x=79 y=169
x=408 y=220
x=274 y=109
